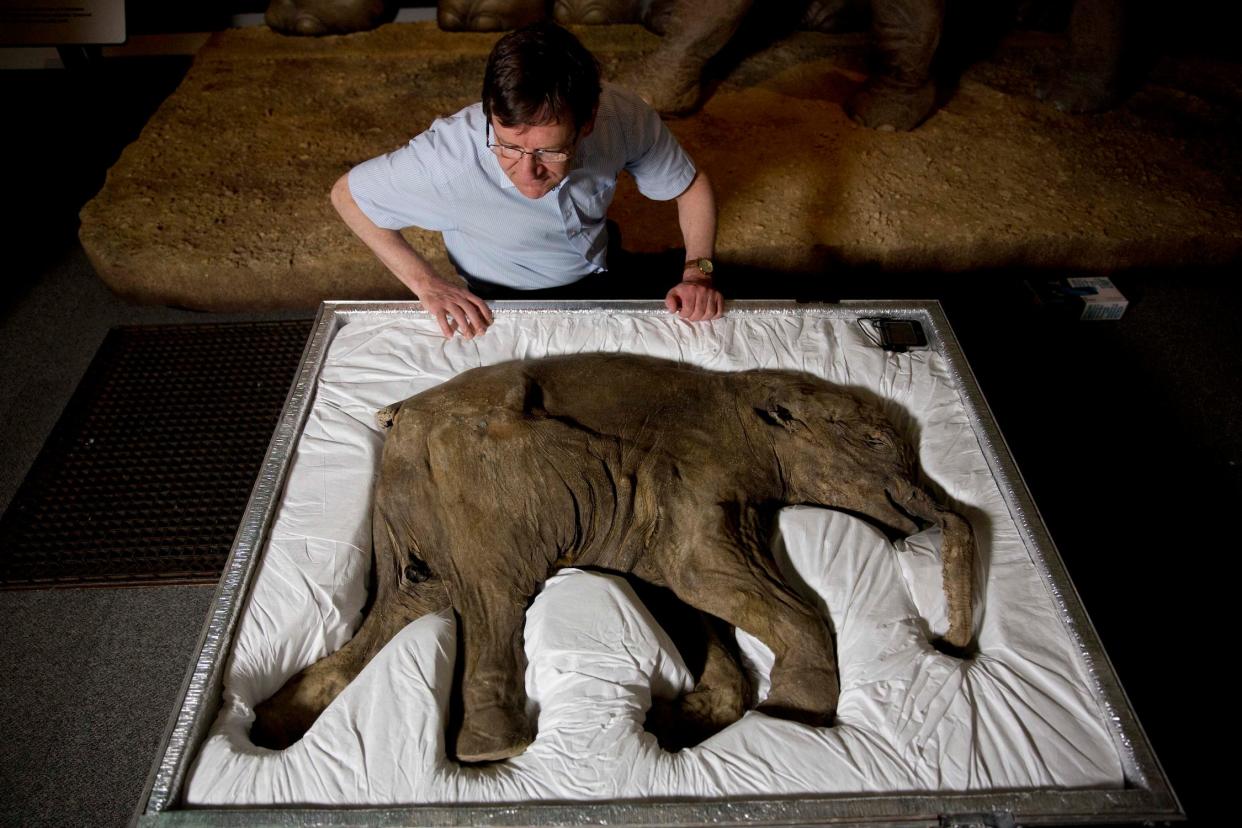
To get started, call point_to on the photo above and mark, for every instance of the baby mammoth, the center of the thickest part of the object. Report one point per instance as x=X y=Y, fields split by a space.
x=493 y=480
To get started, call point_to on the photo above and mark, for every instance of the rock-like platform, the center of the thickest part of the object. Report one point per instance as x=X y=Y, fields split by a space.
x=222 y=202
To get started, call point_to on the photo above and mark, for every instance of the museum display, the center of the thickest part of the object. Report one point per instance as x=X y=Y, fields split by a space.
x=499 y=477
x=1032 y=723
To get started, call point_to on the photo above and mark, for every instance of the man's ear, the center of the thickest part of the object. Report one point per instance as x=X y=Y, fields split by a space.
x=589 y=126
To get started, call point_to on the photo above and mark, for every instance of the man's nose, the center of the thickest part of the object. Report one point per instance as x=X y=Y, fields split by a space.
x=530 y=163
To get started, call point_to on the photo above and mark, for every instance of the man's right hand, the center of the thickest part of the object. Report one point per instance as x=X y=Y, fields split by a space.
x=454 y=308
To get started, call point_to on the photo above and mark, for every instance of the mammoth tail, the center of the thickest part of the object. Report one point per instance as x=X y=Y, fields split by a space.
x=385 y=416
x=285 y=717
x=957 y=555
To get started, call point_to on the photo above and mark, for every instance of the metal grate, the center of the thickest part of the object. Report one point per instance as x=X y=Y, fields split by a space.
x=146 y=475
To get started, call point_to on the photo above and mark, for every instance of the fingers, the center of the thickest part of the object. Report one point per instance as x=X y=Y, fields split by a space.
x=695 y=302
x=459 y=312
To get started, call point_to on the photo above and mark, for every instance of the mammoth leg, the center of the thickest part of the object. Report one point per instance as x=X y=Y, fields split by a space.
x=722 y=692
x=729 y=574
x=285 y=717
x=1091 y=80
x=493 y=689
x=693 y=33
x=901 y=95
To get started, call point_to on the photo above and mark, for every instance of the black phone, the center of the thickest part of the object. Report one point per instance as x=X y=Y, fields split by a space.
x=900 y=335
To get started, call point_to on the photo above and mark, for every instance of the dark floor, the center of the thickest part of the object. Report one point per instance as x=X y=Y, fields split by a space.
x=1129 y=435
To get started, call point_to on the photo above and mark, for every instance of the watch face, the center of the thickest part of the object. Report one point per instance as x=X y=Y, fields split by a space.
x=705 y=265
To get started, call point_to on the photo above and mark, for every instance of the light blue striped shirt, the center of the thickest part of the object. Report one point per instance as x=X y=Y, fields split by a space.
x=447 y=179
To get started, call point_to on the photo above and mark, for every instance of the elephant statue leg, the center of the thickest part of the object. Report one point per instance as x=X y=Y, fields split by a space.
x=493 y=690
x=906 y=34
x=1091 y=79
x=669 y=78
x=731 y=575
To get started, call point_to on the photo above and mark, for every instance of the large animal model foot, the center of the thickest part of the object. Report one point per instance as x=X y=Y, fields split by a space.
x=488 y=15
x=1078 y=93
x=308 y=17
x=285 y=717
x=493 y=734
x=889 y=107
x=669 y=83
x=594 y=12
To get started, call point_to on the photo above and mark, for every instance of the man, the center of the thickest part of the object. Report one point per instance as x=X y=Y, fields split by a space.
x=519 y=185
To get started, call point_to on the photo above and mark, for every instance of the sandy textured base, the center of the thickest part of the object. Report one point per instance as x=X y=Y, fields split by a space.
x=222 y=203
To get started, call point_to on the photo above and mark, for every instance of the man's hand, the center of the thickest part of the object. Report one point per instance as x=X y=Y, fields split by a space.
x=454 y=308
x=695 y=300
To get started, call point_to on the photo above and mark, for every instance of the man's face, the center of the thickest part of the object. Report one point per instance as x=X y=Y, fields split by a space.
x=535 y=177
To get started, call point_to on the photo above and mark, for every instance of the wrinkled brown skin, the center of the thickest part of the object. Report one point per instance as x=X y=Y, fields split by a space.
x=495 y=479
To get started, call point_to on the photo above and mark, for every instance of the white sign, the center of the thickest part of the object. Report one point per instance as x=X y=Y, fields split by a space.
x=61 y=22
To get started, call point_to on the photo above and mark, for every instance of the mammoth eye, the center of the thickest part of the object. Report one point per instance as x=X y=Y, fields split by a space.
x=417 y=571
x=877 y=442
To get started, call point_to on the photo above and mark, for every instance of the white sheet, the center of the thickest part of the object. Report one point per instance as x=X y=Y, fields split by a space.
x=1018 y=716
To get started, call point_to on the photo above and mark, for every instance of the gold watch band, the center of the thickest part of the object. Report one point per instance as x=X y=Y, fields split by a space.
x=703 y=265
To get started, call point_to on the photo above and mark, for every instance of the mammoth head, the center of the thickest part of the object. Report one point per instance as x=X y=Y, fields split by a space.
x=834 y=448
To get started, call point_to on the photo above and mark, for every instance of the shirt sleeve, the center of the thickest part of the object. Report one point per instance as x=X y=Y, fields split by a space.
x=404 y=187
x=660 y=167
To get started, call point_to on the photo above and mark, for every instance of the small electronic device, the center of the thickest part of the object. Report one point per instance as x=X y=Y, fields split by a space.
x=896 y=335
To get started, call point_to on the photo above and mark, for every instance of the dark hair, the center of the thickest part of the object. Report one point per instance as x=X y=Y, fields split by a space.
x=539 y=74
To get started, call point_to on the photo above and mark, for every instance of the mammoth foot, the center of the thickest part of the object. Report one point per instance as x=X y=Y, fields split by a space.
x=886 y=106
x=808 y=696
x=285 y=717
x=492 y=735
x=690 y=719
x=669 y=84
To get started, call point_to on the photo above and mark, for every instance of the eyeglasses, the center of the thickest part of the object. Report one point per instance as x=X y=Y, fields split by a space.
x=511 y=152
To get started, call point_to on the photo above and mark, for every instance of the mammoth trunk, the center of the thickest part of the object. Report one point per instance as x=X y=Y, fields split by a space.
x=957 y=553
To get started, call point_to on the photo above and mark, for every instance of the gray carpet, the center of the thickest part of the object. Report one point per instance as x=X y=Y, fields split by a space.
x=88 y=677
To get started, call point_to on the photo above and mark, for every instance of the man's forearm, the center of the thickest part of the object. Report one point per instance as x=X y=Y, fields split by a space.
x=696 y=212
x=389 y=246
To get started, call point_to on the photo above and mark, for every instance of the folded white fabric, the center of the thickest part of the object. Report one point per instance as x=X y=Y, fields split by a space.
x=1019 y=715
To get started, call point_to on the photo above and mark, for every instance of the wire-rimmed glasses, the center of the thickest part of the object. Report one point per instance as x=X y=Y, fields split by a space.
x=513 y=153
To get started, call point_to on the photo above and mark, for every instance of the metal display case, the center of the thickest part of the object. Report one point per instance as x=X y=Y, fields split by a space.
x=1146 y=795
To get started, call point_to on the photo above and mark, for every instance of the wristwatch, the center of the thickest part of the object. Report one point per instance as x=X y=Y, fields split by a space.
x=704 y=266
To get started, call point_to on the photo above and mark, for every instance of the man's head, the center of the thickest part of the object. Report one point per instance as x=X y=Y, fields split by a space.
x=540 y=92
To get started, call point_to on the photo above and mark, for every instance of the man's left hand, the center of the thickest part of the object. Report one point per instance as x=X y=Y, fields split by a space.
x=695 y=300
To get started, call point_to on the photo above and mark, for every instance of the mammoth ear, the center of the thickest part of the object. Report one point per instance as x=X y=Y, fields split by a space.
x=526 y=398
x=775 y=414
